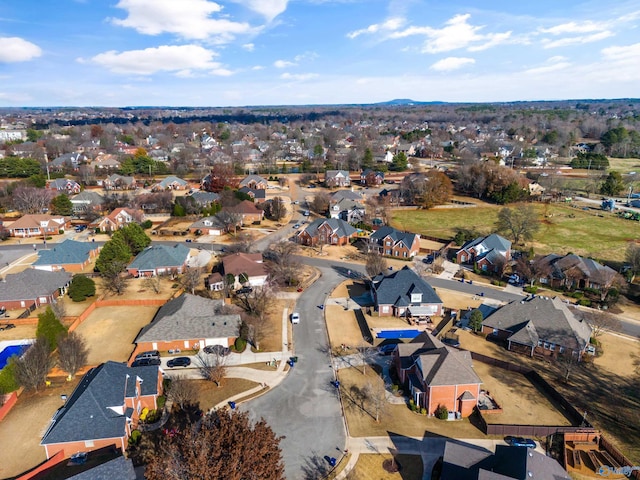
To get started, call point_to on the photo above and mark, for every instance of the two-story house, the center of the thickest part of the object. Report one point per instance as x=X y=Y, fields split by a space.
x=326 y=231
x=117 y=219
x=337 y=178
x=488 y=253
x=389 y=242
x=404 y=293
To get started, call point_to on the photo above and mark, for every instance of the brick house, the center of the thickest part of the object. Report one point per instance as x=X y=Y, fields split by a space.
x=117 y=219
x=103 y=409
x=258 y=195
x=208 y=226
x=31 y=288
x=250 y=264
x=254 y=182
x=337 y=178
x=437 y=375
x=370 y=177
x=70 y=256
x=404 y=294
x=326 y=231
x=488 y=253
x=189 y=322
x=159 y=259
x=87 y=201
x=38 y=225
x=389 y=242
x=539 y=326
x=574 y=272
x=64 y=185
x=247 y=212
x=119 y=182
x=170 y=183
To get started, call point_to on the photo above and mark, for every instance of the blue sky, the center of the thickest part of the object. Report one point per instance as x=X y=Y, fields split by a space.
x=291 y=52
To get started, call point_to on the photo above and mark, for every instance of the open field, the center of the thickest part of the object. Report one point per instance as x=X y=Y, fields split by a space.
x=624 y=165
x=369 y=466
x=564 y=228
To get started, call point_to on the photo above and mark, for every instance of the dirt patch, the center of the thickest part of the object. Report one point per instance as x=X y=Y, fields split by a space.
x=109 y=332
x=369 y=466
x=23 y=428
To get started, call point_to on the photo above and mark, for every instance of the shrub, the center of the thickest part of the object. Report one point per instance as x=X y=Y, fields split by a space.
x=134 y=439
x=81 y=287
x=423 y=411
x=240 y=344
x=161 y=401
x=8 y=382
x=442 y=412
x=395 y=388
x=584 y=302
x=532 y=290
x=146 y=224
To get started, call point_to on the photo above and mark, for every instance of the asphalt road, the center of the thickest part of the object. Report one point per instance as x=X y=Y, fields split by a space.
x=304 y=409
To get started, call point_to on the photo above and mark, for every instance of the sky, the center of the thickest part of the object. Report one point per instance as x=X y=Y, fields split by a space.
x=302 y=52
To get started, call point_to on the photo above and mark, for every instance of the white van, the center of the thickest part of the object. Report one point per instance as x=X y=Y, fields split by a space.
x=295 y=318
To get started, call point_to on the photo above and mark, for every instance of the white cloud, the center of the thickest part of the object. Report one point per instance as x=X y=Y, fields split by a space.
x=257 y=67
x=269 y=9
x=187 y=18
x=390 y=25
x=493 y=39
x=298 y=76
x=16 y=49
x=574 y=27
x=563 y=42
x=283 y=64
x=553 y=64
x=249 y=47
x=626 y=53
x=182 y=59
x=452 y=63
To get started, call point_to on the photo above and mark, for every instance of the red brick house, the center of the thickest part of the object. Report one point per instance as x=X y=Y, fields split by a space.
x=389 y=242
x=254 y=182
x=38 y=225
x=326 y=231
x=32 y=288
x=103 y=409
x=404 y=293
x=117 y=219
x=437 y=375
x=250 y=264
x=70 y=256
x=488 y=253
x=246 y=211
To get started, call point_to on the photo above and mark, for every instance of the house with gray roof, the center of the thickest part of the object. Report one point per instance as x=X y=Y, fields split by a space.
x=348 y=194
x=87 y=201
x=32 y=288
x=436 y=374
x=575 y=272
x=189 y=322
x=254 y=182
x=347 y=210
x=159 y=259
x=462 y=461
x=337 y=178
x=326 y=231
x=103 y=409
x=539 y=326
x=70 y=256
x=404 y=293
x=171 y=183
x=64 y=185
x=208 y=226
x=390 y=242
x=119 y=182
x=68 y=160
x=488 y=253
x=205 y=199
x=258 y=195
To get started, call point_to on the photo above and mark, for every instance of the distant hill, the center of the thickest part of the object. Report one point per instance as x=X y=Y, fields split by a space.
x=405 y=101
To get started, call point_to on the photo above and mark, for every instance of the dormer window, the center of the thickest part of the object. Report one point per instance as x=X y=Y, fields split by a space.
x=416 y=298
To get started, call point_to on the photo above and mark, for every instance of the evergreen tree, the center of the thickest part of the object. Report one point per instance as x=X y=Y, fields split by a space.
x=114 y=255
x=49 y=328
x=81 y=287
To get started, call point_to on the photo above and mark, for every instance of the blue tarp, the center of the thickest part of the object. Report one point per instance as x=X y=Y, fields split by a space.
x=398 y=334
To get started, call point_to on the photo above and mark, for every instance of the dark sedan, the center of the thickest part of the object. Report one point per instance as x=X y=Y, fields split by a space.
x=520 y=442
x=143 y=362
x=218 y=350
x=179 y=362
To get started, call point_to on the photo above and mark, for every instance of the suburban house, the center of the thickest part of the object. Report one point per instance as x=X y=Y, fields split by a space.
x=171 y=183
x=326 y=231
x=339 y=195
x=87 y=201
x=68 y=160
x=347 y=210
x=105 y=161
x=103 y=409
x=119 y=182
x=370 y=177
x=574 y=272
x=337 y=178
x=463 y=461
x=249 y=264
x=189 y=322
x=159 y=259
x=208 y=226
x=246 y=211
x=389 y=242
x=64 y=185
x=214 y=282
x=38 y=225
x=32 y=288
x=437 y=375
x=488 y=253
x=258 y=195
x=70 y=256
x=539 y=326
x=117 y=219
x=404 y=293
x=205 y=199
x=254 y=182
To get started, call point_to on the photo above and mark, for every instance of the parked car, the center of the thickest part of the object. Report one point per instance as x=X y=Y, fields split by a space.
x=451 y=341
x=143 y=362
x=148 y=354
x=306 y=213
x=244 y=290
x=296 y=226
x=220 y=350
x=520 y=442
x=7 y=326
x=295 y=318
x=428 y=259
x=179 y=362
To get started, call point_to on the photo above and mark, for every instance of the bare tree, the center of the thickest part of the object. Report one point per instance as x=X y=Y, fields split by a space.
x=320 y=203
x=242 y=243
x=152 y=283
x=256 y=328
x=519 y=223
x=377 y=397
x=182 y=391
x=59 y=310
x=277 y=209
x=212 y=366
x=600 y=321
x=632 y=256
x=607 y=279
x=31 y=199
x=191 y=279
x=114 y=282
x=282 y=266
x=229 y=220
x=376 y=264
x=32 y=368
x=567 y=363
x=72 y=353
x=366 y=353
x=257 y=302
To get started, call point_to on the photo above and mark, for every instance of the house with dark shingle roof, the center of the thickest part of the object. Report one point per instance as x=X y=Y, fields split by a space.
x=347 y=194
x=159 y=259
x=208 y=226
x=575 y=272
x=87 y=201
x=103 y=409
x=404 y=293
x=254 y=182
x=326 y=231
x=539 y=325
x=488 y=253
x=347 y=210
x=119 y=182
x=70 y=256
x=462 y=461
x=205 y=199
x=246 y=211
x=337 y=178
x=32 y=288
x=64 y=185
x=258 y=195
x=370 y=177
x=189 y=322
x=389 y=242
x=250 y=264
x=436 y=374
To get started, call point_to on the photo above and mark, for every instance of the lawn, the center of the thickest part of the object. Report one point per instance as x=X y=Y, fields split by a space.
x=369 y=466
x=209 y=395
x=564 y=228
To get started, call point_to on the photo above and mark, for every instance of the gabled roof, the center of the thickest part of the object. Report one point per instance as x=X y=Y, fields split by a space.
x=208 y=222
x=119 y=468
x=35 y=220
x=589 y=267
x=444 y=366
x=336 y=173
x=337 y=226
x=89 y=414
x=202 y=198
x=490 y=242
x=259 y=193
x=541 y=318
x=245 y=207
x=88 y=196
x=66 y=253
x=404 y=238
x=253 y=179
x=249 y=263
x=348 y=194
x=189 y=317
x=159 y=255
x=63 y=184
x=116 y=177
x=171 y=179
x=30 y=284
x=396 y=288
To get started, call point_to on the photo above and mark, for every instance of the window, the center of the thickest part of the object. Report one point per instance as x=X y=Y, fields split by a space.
x=88 y=443
x=546 y=345
x=552 y=347
x=561 y=349
x=539 y=343
x=385 y=309
x=395 y=253
x=387 y=252
x=404 y=254
x=416 y=298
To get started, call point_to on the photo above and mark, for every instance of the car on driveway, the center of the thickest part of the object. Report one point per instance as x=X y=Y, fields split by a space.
x=451 y=341
x=143 y=362
x=244 y=290
x=217 y=349
x=179 y=362
x=7 y=326
x=520 y=442
x=296 y=226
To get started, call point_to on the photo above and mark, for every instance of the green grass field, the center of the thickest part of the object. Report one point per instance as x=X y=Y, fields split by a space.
x=563 y=229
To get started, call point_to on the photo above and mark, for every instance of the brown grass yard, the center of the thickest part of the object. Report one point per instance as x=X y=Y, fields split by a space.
x=564 y=228
x=209 y=395
x=369 y=467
